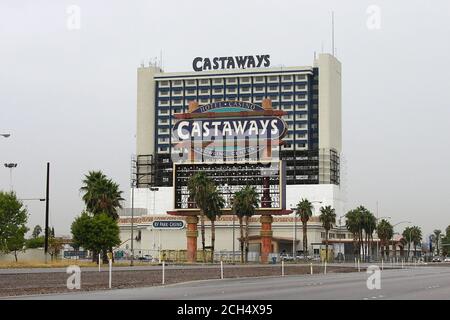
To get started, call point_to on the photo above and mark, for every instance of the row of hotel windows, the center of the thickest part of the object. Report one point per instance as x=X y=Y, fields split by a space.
x=234 y=80
x=203 y=100
x=299 y=146
x=233 y=90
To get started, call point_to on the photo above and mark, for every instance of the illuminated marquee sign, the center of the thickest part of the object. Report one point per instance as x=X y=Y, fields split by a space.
x=229 y=128
x=239 y=62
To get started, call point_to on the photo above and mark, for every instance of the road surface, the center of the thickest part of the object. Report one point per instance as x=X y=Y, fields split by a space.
x=413 y=283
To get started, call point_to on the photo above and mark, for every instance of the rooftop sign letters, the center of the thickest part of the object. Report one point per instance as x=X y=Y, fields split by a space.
x=233 y=62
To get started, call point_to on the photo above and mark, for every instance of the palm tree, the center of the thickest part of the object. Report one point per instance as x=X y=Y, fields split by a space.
x=198 y=186
x=213 y=210
x=369 y=226
x=385 y=233
x=416 y=237
x=101 y=195
x=328 y=219
x=353 y=224
x=407 y=235
x=304 y=210
x=245 y=203
x=437 y=235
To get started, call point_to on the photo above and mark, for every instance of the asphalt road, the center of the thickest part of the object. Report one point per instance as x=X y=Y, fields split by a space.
x=414 y=283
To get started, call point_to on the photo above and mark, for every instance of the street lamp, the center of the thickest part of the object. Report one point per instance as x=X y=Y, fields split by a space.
x=294 y=238
x=10 y=166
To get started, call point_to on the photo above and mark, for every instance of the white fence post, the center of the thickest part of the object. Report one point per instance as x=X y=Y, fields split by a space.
x=311 y=268
x=221 y=269
x=325 y=267
x=110 y=273
x=99 y=263
x=282 y=268
x=163 y=272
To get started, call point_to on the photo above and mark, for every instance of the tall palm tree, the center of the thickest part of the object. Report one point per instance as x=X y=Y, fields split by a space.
x=369 y=226
x=245 y=203
x=437 y=235
x=304 y=210
x=198 y=186
x=407 y=235
x=416 y=237
x=353 y=224
x=101 y=195
x=214 y=207
x=385 y=232
x=328 y=219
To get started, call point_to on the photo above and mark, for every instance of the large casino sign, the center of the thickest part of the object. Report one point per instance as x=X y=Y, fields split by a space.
x=228 y=129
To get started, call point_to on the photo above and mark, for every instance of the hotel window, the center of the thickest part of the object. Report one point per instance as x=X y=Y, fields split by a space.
x=218 y=81
x=287 y=88
x=164 y=121
x=164 y=93
x=300 y=77
x=245 y=80
x=232 y=90
x=190 y=82
x=300 y=97
x=190 y=92
x=273 y=88
x=204 y=100
x=273 y=79
x=287 y=78
x=258 y=79
x=218 y=91
x=258 y=99
x=245 y=90
x=246 y=99
x=231 y=80
x=204 y=91
x=258 y=89
x=204 y=81
x=164 y=83
x=287 y=97
x=164 y=102
x=300 y=87
x=177 y=83
x=164 y=111
x=177 y=92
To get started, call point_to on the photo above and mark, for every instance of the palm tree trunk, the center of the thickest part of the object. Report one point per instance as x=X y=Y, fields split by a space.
x=202 y=230
x=241 y=240
x=246 y=239
x=326 y=245
x=213 y=239
x=305 y=240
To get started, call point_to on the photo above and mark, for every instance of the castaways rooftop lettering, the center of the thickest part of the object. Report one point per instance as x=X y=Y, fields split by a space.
x=240 y=62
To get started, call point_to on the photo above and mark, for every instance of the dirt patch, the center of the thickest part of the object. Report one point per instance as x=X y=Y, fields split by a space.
x=55 y=282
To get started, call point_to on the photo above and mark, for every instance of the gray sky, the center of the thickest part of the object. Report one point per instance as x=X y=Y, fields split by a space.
x=69 y=96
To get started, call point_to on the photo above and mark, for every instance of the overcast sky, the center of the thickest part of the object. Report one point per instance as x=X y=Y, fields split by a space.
x=68 y=95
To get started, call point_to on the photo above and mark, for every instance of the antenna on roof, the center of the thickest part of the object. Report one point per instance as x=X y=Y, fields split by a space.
x=160 y=60
x=332 y=33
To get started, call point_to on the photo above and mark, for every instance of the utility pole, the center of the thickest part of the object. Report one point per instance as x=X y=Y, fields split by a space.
x=46 y=210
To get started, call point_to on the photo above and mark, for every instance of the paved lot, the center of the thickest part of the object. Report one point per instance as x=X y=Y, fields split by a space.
x=414 y=283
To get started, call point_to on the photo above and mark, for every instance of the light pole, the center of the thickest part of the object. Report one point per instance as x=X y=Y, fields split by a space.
x=10 y=166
